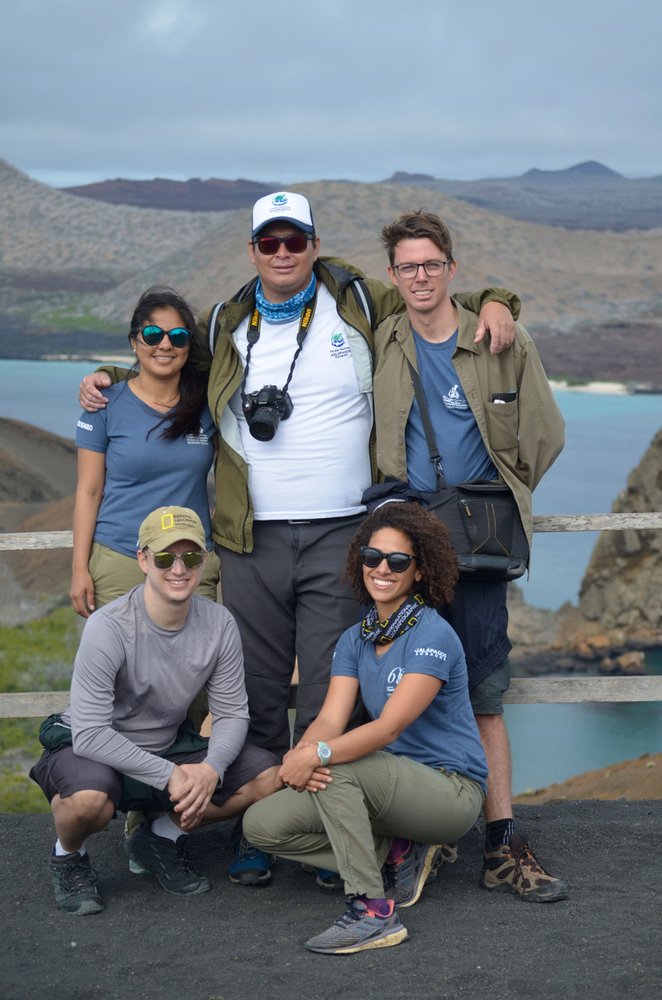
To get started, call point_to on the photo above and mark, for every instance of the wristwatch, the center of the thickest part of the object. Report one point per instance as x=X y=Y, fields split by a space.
x=324 y=752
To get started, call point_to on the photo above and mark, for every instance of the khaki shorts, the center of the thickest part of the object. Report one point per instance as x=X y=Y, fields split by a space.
x=115 y=574
x=487 y=697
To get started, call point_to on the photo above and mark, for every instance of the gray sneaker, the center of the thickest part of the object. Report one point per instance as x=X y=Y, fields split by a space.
x=406 y=878
x=167 y=860
x=359 y=929
x=75 y=884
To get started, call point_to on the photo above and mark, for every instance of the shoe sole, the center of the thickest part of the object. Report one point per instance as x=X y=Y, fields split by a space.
x=388 y=941
x=253 y=880
x=136 y=868
x=552 y=894
x=84 y=909
x=423 y=877
x=328 y=886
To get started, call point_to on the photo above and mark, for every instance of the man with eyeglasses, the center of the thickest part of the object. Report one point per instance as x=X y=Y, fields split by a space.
x=290 y=388
x=124 y=741
x=493 y=417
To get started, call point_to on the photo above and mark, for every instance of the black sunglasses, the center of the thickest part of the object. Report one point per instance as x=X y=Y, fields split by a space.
x=165 y=560
x=153 y=335
x=397 y=562
x=269 y=245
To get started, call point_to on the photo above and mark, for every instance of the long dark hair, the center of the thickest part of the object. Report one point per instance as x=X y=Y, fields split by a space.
x=435 y=556
x=185 y=416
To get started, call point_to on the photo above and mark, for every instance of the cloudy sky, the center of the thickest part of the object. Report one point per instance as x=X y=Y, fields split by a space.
x=303 y=90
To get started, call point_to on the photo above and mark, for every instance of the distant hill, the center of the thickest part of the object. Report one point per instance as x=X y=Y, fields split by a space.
x=54 y=241
x=194 y=195
x=73 y=268
x=585 y=196
x=589 y=171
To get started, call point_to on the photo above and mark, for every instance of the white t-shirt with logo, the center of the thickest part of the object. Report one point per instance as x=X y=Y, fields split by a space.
x=318 y=462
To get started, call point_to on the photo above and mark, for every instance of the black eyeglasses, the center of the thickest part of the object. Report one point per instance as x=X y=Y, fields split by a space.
x=397 y=562
x=153 y=335
x=269 y=245
x=165 y=560
x=433 y=268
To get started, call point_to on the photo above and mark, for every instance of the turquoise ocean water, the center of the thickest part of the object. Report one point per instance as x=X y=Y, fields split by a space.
x=606 y=437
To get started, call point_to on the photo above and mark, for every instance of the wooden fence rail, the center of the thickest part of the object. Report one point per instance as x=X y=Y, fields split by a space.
x=523 y=690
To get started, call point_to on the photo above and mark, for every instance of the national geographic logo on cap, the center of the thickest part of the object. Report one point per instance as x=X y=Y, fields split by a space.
x=167 y=525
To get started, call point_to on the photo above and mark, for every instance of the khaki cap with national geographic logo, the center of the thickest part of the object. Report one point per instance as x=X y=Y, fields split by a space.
x=167 y=525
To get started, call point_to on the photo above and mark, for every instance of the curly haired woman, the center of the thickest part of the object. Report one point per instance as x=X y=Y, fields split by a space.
x=376 y=802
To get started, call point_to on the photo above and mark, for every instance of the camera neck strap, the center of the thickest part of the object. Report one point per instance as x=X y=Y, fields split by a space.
x=253 y=335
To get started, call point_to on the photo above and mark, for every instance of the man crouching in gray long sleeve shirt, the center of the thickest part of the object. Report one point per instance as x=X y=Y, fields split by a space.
x=124 y=742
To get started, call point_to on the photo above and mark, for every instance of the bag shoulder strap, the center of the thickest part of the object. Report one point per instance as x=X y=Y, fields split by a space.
x=245 y=292
x=212 y=326
x=419 y=392
x=364 y=299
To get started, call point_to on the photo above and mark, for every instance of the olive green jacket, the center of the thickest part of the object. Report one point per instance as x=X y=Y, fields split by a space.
x=523 y=437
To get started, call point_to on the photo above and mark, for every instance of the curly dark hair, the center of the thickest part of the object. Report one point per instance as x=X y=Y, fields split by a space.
x=185 y=416
x=435 y=556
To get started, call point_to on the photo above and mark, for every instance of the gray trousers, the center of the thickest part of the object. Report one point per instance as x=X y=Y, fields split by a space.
x=289 y=601
x=348 y=827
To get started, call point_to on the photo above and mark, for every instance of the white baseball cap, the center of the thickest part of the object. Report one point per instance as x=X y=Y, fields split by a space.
x=282 y=206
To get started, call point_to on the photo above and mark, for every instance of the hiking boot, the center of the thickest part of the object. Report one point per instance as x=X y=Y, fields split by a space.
x=325 y=878
x=359 y=929
x=514 y=867
x=249 y=866
x=75 y=884
x=406 y=877
x=444 y=855
x=167 y=860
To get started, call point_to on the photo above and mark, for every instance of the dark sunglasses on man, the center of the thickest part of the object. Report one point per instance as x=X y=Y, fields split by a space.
x=270 y=245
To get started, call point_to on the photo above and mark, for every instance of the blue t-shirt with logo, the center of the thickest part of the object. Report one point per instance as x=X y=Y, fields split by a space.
x=463 y=453
x=445 y=734
x=143 y=472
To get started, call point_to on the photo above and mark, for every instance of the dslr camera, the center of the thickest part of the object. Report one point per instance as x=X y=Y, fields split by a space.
x=264 y=410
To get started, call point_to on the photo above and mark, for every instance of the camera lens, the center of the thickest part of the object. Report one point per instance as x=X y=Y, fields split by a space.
x=264 y=423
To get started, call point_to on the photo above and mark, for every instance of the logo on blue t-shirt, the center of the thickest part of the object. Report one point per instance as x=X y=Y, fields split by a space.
x=393 y=679
x=454 y=399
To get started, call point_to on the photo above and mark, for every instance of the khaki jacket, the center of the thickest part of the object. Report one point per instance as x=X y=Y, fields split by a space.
x=523 y=438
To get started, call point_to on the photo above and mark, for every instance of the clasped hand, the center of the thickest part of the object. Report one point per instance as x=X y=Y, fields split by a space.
x=302 y=770
x=191 y=786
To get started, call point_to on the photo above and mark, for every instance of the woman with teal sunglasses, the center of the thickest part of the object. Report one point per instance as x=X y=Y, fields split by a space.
x=153 y=445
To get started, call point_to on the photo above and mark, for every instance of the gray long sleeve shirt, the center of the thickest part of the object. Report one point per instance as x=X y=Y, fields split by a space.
x=133 y=682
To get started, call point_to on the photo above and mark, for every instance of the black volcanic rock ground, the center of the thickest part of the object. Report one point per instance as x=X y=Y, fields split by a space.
x=240 y=943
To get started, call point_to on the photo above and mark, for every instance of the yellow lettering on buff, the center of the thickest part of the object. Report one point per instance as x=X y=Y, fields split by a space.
x=167 y=521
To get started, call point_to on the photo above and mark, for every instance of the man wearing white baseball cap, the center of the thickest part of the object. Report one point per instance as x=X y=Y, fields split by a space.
x=290 y=389
x=124 y=741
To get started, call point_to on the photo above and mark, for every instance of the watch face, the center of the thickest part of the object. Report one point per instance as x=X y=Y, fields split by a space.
x=323 y=752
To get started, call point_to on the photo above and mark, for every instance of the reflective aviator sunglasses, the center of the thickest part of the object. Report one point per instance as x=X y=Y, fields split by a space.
x=397 y=562
x=165 y=560
x=153 y=335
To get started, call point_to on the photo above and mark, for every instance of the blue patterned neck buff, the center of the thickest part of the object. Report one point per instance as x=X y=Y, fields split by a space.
x=283 y=312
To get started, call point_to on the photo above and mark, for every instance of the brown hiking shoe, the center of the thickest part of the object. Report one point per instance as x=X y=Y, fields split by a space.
x=446 y=854
x=514 y=866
